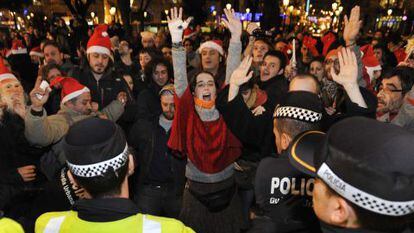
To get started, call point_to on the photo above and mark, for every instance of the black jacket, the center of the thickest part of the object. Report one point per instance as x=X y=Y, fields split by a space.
x=284 y=194
x=143 y=137
x=255 y=132
x=276 y=89
x=148 y=105
x=106 y=89
x=52 y=105
x=15 y=152
x=346 y=108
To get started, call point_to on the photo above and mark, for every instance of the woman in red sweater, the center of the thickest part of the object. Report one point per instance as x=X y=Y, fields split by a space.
x=200 y=133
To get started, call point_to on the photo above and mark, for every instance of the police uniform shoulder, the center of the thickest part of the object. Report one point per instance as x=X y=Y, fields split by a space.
x=272 y=162
x=45 y=218
x=8 y=225
x=275 y=166
x=169 y=225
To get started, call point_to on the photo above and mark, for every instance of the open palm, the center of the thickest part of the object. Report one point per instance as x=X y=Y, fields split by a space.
x=240 y=76
x=352 y=25
x=232 y=23
x=176 y=25
x=348 y=74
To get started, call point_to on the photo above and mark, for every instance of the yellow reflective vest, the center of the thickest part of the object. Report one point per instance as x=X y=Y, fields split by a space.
x=69 y=222
x=9 y=226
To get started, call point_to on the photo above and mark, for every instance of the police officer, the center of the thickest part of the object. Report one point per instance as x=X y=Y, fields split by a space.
x=283 y=193
x=364 y=176
x=99 y=162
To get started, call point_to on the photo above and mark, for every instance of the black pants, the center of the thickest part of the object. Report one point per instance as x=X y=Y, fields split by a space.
x=159 y=200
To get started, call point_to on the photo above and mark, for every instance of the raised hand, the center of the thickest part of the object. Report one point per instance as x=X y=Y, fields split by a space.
x=176 y=25
x=348 y=73
x=352 y=25
x=251 y=27
x=232 y=23
x=39 y=97
x=240 y=76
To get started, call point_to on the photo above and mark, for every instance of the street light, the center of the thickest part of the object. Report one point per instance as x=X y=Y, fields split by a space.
x=145 y=14
x=247 y=10
x=228 y=6
x=404 y=18
x=93 y=15
x=285 y=3
x=389 y=12
x=340 y=8
x=290 y=9
x=166 y=12
x=214 y=13
x=31 y=15
x=334 y=6
x=28 y=17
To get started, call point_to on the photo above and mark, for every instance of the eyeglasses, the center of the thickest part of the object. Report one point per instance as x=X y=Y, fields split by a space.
x=387 y=89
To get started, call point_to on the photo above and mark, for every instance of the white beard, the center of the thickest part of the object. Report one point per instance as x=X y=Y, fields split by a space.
x=14 y=103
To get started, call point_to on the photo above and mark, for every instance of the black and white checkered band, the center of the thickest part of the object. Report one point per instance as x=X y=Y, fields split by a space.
x=301 y=114
x=363 y=199
x=98 y=169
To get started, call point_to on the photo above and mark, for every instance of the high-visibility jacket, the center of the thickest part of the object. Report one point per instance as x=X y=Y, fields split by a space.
x=69 y=222
x=9 y=226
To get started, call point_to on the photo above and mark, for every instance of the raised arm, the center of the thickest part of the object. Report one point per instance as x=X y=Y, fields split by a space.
x=249 y=48
x=234 y=53
x=348 y=76
x=240 y=76
x=176 y=26
x=352 y=27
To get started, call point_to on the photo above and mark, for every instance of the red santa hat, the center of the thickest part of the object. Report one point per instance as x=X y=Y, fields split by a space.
x=99 y=41
x=188 y=32
x=310 y=43
x=213 y=44
x=36 y=52
x=71 y=88
x=18 y=47
x=372 y=64
x=332 y=53
x=327 y=41
x=5 y=72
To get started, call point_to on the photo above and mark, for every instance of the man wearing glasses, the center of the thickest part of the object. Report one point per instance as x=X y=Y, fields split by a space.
x=392 y=92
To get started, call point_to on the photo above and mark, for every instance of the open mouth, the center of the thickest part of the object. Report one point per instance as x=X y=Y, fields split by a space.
x=206 y=97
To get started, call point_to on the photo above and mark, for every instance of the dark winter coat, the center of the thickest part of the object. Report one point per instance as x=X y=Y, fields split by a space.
x=106 y=89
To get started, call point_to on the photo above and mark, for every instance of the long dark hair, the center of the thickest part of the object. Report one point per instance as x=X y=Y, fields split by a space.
x=152 y=65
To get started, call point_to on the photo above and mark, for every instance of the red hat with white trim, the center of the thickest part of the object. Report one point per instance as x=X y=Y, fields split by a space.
x=372 y=64
x=5 y=72
x=71 y=88
x=18 y=47
x=99 y=42
x=188 y=32
x=36 y=52
x=213 y=44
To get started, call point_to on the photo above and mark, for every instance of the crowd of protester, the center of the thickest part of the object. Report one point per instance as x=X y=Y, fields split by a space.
x=222 y=132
